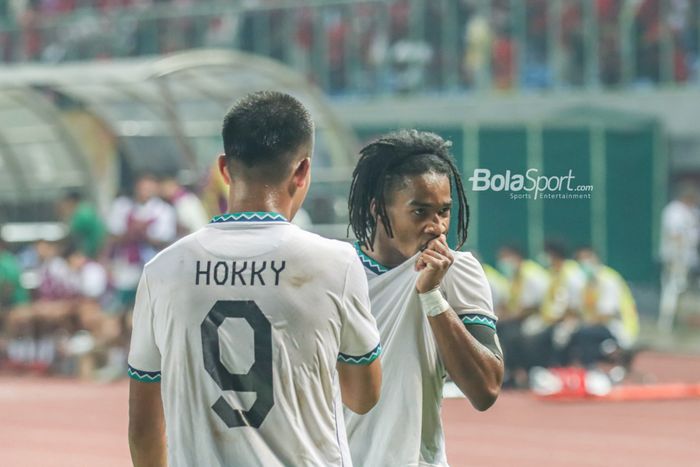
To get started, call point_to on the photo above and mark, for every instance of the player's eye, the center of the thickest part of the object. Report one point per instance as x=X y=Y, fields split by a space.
x=419 y=212
x=444 y=211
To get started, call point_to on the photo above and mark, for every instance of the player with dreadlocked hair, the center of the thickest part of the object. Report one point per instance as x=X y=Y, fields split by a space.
x=432 y=304
x=384 y=163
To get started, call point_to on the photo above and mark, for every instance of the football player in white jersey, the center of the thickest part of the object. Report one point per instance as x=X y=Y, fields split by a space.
x=432 y=304
x=250 y=333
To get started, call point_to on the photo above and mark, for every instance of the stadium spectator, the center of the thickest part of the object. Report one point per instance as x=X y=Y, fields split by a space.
x=30 y=328
x=139 y=227
x=610 y=320
x=527 y=285
x=85 y=226
x=67 y=301
x=189 y=210
x=349 y=47
x=12 y=293
x=13 y=304
x=477 y=50
x=548 y=332
x=680 y=234
x=499 y=288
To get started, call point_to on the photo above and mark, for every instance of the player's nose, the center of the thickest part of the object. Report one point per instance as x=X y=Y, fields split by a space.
x=436 y=227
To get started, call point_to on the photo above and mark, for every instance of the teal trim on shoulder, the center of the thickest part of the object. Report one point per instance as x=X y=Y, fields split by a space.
x=476 y=319
x=249 y=216
x=369 y=262
x=365 y=359
x=143 y=376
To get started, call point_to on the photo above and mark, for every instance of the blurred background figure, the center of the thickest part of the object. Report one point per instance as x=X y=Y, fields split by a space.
x=680 y=232
x=189 y=210
x=31 y=329
x=499 y=286
x=139 y=226
x=610 y=321
x=527 y=286
x=12 y=293
x=66 y=310
x=548 y=332
x=85 y=225
x=13 y=300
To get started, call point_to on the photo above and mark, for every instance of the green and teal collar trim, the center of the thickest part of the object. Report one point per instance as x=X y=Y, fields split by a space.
x=143 y=376
x=249 y=216
x=479 y=320
x=368 y=262
x=365 y=359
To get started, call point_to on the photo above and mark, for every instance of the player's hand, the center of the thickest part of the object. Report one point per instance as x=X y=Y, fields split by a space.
x=433 y=264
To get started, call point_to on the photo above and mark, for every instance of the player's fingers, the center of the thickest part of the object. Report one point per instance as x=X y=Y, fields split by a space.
x=445 y=249
x=435 y=264
x=439 y=243
x=436 y=259
x=441 y=248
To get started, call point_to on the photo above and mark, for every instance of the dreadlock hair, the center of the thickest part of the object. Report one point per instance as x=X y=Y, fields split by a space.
x=385 y=164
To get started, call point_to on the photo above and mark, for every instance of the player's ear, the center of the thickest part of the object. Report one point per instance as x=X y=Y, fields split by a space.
x=223 y=168
x=373 y=207
x=302 y=170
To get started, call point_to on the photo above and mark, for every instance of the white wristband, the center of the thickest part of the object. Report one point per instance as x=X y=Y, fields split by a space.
x=433 y=303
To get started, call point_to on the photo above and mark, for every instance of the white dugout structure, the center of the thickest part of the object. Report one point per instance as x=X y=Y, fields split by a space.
x=91 y=127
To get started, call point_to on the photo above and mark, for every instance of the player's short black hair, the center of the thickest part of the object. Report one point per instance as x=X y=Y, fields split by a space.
x=265 y=127
x=384 y=166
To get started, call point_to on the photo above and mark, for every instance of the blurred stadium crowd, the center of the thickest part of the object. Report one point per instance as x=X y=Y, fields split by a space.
x=66 y=304
x=383 y=45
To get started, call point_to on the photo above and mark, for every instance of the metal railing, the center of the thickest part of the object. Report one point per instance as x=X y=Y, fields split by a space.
x=393 y=46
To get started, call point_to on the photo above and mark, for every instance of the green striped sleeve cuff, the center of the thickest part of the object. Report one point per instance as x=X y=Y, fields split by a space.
x=478 y=320
x=143 y=376
x=365 y=359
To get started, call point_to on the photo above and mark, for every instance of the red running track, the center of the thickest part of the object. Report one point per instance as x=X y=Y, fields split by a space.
x=61 y=423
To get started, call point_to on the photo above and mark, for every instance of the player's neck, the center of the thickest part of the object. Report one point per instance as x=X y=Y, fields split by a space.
x=263 y=199
x=384 y=253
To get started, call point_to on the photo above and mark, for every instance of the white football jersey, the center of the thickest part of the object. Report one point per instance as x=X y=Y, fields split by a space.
x=243 y=323
x=404 y=428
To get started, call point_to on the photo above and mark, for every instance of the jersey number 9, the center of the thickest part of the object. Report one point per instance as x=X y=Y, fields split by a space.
x=259 y=376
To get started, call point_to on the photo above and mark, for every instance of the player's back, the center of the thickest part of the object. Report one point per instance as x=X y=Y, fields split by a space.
x=249 y=319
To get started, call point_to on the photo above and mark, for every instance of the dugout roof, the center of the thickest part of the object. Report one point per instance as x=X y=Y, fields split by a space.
x=165 y=113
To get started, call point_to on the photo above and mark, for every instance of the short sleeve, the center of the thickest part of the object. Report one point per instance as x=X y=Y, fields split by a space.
x=144 y=356
x=359 y=340
x=467 y=291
